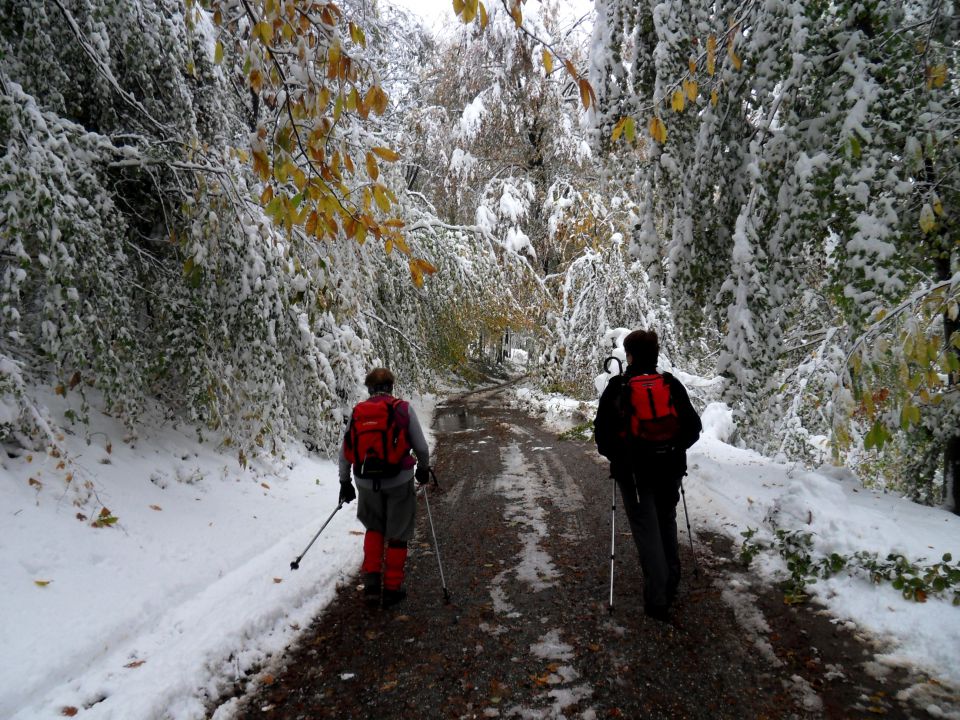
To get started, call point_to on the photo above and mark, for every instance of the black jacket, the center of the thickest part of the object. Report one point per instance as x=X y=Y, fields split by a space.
x=608 y=424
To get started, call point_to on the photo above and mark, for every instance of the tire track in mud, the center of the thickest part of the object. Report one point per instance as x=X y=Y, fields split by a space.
x=523 y=525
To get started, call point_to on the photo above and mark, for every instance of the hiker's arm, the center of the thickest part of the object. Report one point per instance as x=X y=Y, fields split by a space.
x=605 y=423
x=342 y=464
x=417 y=441
x=690 y=425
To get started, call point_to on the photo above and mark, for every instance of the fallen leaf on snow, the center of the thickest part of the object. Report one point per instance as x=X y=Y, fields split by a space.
x=265 y=485
x=42 y=583
x=278 y=580
x=156 y=507
x=69 y=711
x=135 y=664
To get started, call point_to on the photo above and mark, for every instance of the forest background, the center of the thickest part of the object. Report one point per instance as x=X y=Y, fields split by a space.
x=226 y=211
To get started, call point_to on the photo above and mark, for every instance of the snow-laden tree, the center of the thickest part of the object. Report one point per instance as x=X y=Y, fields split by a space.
x=798 y=173
x=202 y=205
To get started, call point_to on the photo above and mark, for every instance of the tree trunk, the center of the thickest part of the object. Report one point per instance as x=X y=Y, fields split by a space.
x=951 y=452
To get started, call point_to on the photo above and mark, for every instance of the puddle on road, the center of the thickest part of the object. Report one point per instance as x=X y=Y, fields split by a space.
x=454 y=419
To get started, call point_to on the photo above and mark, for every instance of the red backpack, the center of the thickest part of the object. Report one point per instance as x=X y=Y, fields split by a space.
x=377 y=441
x=650 y=417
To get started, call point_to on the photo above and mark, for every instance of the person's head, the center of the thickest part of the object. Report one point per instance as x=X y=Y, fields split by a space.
x=642 y=348
x=379 y=380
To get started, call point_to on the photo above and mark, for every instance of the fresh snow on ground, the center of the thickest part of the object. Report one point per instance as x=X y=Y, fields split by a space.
x=191 y=588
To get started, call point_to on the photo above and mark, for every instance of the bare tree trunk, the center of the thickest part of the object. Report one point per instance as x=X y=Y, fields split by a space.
x=951 y=452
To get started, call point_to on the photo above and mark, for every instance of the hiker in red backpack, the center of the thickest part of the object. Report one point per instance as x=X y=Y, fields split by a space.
x=382 y=433
x=644 y=425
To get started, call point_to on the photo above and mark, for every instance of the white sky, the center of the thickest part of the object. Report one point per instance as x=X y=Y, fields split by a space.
x=435 y=13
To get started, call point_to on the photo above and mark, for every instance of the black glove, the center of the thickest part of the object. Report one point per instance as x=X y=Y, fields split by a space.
x=347 y=493
x=422 y=474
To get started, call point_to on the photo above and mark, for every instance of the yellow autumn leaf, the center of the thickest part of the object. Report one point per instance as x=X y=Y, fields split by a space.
x=658 y=131
x=264 y=32
x=548 y=61
x=714 y=97
x=42 y=583
x=299 y=178
x=484 y=18
x=380 y=100
x=732 y=54
x=618 y=129
x=417 y=269
x=385 y=153
x=380 y=197
x=516 y=14
x=586 y=92
x=678 y=102
x=401 y=244
x=470 y=9
x=357 y=35
x=458 y=6
x=937 y=206
x=261 y=165
x=711 y=54
x=927 y=220
x=936 y=76
x=691 y=88
x=692 y=64
x=372 y=170
x=218 y=53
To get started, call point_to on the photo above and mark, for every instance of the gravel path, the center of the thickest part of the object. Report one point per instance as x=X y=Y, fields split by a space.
x=523 y=522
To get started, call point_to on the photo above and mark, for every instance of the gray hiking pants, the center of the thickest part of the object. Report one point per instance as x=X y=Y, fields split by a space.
x=652 y=513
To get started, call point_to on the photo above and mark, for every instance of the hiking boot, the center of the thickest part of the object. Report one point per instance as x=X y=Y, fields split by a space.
x=392 y=597
x=371 y=587
x=657 y=612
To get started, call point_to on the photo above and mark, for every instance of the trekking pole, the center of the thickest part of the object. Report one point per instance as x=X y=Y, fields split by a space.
x=295 y=565
x=686 y=515
x=436 y=546
x=613 y=539
x=613 y=504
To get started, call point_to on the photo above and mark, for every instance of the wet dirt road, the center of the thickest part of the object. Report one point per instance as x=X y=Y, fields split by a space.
x=523 y=523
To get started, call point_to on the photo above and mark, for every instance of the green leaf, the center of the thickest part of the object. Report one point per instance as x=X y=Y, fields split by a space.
x=218 y=53
x=855 y=147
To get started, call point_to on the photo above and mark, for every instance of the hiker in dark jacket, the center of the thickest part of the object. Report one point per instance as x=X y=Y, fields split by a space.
x=648 y=475
x=388 y=498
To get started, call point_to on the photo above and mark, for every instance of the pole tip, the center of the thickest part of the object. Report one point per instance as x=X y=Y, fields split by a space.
x=295 y=565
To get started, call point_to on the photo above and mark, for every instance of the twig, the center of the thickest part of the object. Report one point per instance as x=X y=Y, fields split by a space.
x=104 y=69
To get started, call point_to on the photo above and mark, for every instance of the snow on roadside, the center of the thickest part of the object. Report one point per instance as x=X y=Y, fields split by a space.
x=189 y=590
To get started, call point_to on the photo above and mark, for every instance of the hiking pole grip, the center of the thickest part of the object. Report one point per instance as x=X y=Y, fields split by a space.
x=618 y=361
x=295 y=565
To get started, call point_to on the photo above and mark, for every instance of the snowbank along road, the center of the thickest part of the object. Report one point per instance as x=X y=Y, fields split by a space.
x=523 y=523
